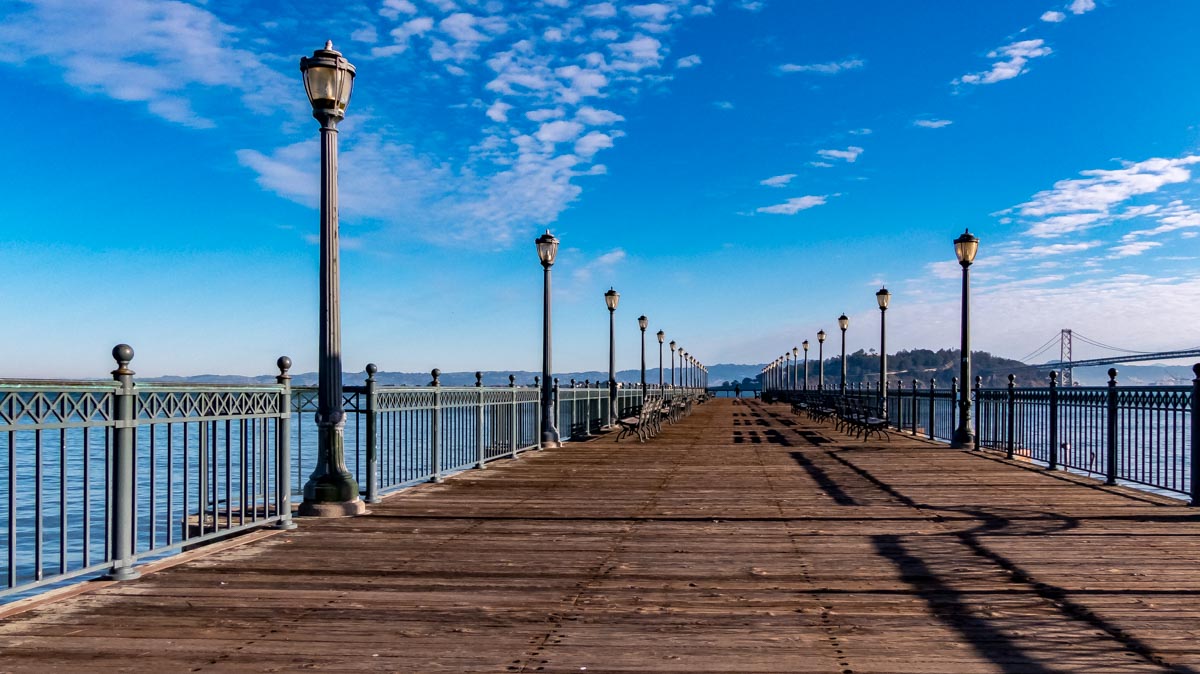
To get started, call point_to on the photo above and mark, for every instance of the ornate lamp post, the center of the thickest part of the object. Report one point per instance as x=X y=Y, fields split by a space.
x=805 y=345
x=795 y=384
x=821 y=359
x=661 y=336
x=331 y=490
x=843 y=323
x=965 y=248
x=883 y=297
x=672 y=345
x=643 y=323
x=547 y=248
x=610 y=299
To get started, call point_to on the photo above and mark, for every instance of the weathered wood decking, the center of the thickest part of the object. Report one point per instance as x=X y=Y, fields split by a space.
x=743 y=539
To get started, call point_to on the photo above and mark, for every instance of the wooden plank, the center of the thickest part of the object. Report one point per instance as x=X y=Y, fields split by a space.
x=741 y=539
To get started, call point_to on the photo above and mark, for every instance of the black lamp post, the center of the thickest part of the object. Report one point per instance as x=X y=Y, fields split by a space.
x=843 y=323
x=610 y=299
x=805 y=345
x=643 y=323
x=795 y=384
x=965 y=248
x=661 y=336
x=883 y=297
x=547 y=248
x=331 y=490
x=672 y=345
x=821 y=360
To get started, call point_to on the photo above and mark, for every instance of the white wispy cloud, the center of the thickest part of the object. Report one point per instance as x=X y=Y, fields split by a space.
x=1082 y=6
x=1087 y=202
x=820 y=164
x=1053 y=17
x=690 y=61
x=831 y=68
x=1132 y=249
x=723 y=105
x=157 y=54
x=932 y=123
x=849 y=155
x=778 y=181
x=794 y=205
x=1014 y=58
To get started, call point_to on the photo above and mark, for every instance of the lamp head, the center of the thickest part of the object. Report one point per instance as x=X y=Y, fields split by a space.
x=965 y=248
x=547 y=248
x=883 y=297
x=328 y=81
x=611 y=298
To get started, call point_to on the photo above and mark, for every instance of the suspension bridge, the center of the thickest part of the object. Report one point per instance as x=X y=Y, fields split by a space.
x=1066 y=361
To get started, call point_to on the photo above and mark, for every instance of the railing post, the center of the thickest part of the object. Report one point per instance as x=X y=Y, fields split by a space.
x=1053 y=454
x=978 y=409
x=1111 y=439
x=932 y=388
x=557 y=408
x=124 y=418
x=1195 y=442
x=1010 y=431
x=914 y=407
x=953 y=405
x=372 y=436
x=283 y=447
x=435 y=440
x=480 y=458
x=512 y=384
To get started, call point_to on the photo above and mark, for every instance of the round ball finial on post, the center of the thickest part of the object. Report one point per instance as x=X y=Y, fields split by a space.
x=284 y=364
x=1053 y=377
x=123 y=354
x=1112 y=375
x=371 y=370
x=1012 y=379
x=436 y=377
x=1196 y=370
x=512 y=381
x=478 y=378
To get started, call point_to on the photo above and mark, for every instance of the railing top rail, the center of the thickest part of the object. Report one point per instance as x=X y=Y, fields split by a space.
x=10 y=385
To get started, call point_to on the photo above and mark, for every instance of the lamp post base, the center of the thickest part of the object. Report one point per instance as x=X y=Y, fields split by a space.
x=962 y=440
x=332 y=509
x=550 y=440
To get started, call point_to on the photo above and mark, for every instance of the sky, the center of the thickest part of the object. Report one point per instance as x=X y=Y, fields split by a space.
x=741 y=171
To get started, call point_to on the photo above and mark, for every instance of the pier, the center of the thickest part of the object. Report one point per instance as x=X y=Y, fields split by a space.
x=743 y=538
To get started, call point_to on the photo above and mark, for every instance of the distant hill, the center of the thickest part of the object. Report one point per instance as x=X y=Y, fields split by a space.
x=861 y=366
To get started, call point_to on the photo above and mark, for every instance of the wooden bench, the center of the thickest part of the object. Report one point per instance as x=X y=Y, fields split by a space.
x=642 y=424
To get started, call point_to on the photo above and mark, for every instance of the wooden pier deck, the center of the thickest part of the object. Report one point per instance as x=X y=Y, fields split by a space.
x=742 y=540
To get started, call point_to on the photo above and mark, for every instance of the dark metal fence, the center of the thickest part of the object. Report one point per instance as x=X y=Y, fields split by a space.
x=101 y=475
x=98 y=476
x=1136 y=435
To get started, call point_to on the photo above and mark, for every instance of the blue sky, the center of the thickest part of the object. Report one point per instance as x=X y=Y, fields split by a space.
x=741 y=171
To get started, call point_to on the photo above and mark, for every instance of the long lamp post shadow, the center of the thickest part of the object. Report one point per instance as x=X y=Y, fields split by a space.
x=331 y=490
x=821 y=360
x=611 y=298
x=547 y=248
x=883 y=297
x=965 y=248
x=843 y=323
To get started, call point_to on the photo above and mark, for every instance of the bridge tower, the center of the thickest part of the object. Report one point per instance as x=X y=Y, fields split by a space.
x=1065 y=357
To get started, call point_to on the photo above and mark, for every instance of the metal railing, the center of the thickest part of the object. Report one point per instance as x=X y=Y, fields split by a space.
x=103 y=474
x=98 y=476
x=1136 y=435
